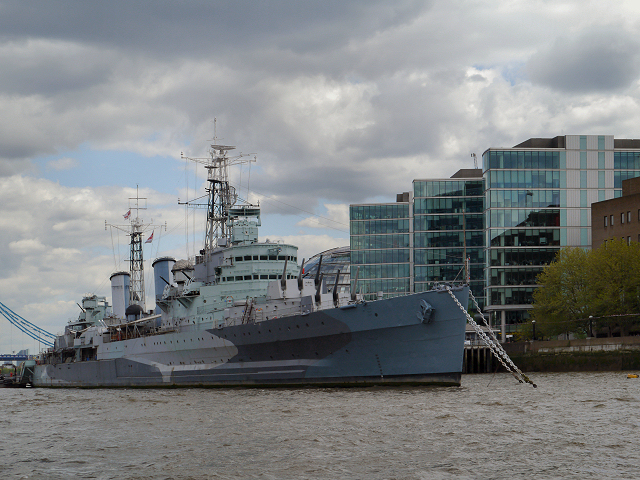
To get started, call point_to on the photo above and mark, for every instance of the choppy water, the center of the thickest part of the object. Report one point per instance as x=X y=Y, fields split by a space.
x=578 y=425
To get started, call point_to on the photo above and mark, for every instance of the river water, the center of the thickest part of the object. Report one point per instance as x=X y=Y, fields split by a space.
x=574 y=425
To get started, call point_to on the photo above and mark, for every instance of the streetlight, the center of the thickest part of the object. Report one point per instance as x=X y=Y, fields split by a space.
x=533 y=325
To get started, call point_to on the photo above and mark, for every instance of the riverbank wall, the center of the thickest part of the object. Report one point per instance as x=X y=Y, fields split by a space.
x=586 y=355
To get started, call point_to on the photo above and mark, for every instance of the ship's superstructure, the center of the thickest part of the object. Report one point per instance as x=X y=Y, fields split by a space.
x=242 y=314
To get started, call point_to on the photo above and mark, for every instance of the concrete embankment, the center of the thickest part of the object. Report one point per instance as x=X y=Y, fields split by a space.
x=587 y=355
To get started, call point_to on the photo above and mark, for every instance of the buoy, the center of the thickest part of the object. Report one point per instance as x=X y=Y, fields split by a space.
x=632 y=375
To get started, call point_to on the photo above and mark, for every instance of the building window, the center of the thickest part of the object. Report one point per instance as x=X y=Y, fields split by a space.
x=605 y=221
x=628 y=217
x=622 y=217
x=628 y=240
x=611 y=220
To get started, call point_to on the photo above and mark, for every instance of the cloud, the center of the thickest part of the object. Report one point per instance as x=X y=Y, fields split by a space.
x=596 y=60
x=343 y=102
x=337 y=217
x=65 y=163
x=55 y=248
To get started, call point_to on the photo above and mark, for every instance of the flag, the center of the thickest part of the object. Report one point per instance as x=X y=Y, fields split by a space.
x=150 y=239
x=127 y=215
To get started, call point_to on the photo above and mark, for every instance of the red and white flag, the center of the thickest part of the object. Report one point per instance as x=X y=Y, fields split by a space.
x=150 y=239
x=127 y=215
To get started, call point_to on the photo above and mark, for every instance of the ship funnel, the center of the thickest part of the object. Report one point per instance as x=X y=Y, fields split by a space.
x=300 y=275
x=162 y=274
x=120 y=293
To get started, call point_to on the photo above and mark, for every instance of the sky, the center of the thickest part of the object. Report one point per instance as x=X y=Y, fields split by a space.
x=339 y=102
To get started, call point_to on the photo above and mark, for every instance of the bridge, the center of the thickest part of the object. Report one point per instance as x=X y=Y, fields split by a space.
x=14 y=357
x=40 y=335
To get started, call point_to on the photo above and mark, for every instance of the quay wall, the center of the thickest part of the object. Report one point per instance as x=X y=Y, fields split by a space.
x=586 y=355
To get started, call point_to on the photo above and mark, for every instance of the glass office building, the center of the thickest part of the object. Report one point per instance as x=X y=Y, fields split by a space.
x=422 y=239
x=449 y=227
x=538 y=198
x=511 y=217
x=381 y=243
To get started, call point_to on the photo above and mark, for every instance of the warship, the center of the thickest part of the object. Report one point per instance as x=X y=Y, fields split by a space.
x=242 y=314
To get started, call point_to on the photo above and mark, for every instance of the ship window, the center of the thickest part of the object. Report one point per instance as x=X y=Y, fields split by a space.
x=247 y=257
x=238 y=279
x=247 y=277
x=281 y=257
x=264 y=277
x=273 y=257
x=255 y=257
x=255 y=277
x=238 y=259
x=264 y=257
x=273 y=277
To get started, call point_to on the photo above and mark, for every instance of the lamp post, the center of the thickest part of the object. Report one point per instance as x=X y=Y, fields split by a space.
x=533 y=326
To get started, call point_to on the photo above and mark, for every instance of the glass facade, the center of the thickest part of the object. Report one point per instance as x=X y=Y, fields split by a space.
x=449 y=226
x=333 y=261
x=412 y=245
x=381 y=248
x=538 y=201
x=511 y=218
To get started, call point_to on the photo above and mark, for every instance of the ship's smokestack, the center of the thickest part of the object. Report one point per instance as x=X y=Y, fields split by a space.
x=120 y=293
x=161 y=276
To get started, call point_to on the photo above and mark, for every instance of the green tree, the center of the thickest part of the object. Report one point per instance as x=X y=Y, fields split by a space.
x=614 y=274
x=561 y=303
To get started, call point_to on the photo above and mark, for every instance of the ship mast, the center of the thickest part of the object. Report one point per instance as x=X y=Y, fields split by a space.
x=135 y=230
x=136 y=260
x=221 y=196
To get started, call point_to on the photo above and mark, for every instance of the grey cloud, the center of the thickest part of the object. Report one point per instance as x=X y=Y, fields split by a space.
x=596 y=60
x=190 y=28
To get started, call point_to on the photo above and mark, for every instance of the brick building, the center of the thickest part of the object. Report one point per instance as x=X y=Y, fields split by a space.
x=617 y=217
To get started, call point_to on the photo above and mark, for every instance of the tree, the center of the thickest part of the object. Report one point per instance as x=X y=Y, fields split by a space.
x=562 y=298
x=579 y=284
x=614 y=275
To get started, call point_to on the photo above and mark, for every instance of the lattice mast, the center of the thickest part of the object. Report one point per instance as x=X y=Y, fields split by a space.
x=221 y=196
x=136 y=258
x=136 y=230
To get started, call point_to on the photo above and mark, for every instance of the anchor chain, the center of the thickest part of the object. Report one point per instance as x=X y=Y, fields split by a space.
x=498 y=345
x=493 y=344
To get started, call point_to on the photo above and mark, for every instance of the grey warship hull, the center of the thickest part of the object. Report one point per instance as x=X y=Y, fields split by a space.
x=387 y=341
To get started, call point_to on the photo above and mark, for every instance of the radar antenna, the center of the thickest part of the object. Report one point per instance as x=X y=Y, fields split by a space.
x=221 y=196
